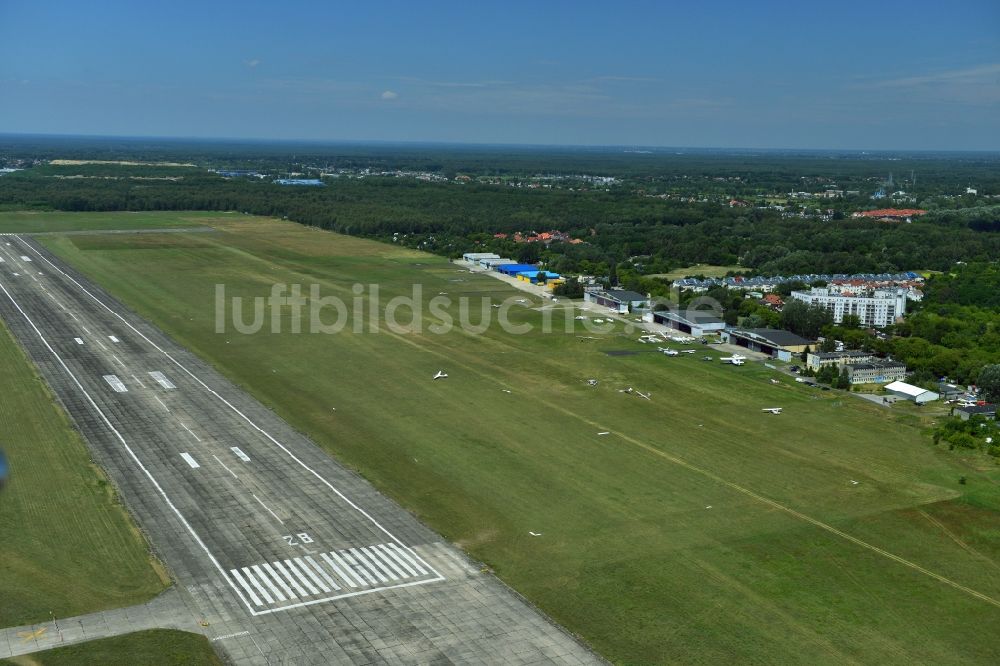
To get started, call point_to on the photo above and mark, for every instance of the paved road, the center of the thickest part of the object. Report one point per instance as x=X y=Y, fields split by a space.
x=268 y=537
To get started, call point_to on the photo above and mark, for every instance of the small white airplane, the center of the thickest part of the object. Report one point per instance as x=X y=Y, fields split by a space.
x=606 y=432
x=775 y=381
x=592 y=382
x=668 y=351
x=772 y=410
x=687 y=351
x=735 y=359
x=441 y=374
x=535 y=533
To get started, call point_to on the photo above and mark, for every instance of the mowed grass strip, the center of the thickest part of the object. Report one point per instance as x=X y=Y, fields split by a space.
x=66 y=545
x=156 y=647
x=648 y=547
x=23 y=222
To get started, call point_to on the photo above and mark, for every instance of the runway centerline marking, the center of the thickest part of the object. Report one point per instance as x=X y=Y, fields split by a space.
x=191 y=432
x=260 y=502
x=224 y=466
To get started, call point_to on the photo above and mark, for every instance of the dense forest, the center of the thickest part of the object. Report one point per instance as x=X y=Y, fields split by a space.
x=619 y=225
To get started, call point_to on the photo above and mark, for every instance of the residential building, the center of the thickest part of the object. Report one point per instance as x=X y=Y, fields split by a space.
x=878 y=308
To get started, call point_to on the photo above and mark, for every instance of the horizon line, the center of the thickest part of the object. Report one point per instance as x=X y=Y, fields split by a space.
x=444 y=143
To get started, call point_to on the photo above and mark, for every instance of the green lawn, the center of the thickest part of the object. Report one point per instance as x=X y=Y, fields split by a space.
x=66 y=545
x=35 y=221
x=159 y=647
x=699 y=531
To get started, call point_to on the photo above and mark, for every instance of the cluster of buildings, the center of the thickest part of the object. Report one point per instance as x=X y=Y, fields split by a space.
x=506 y=266
x=910 y=281
x=543 y=237
x=891 y=214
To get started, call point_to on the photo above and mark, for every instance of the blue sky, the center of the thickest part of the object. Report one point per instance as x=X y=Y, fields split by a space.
x=880 y=75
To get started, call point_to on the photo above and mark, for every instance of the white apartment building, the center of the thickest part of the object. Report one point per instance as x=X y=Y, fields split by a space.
x=880 y=307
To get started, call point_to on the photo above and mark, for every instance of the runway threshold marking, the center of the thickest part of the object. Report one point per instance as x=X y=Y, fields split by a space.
x=78 y=341
x=239 y=453
x=190 y=460
x=398 y=544
x=299 y=579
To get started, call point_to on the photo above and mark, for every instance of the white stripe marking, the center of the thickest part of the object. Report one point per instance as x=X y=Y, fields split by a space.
x=267 y=581
x=115 y=356
x=115 y=383
x=162 y=380
x=24 y=258
x=346 y=577
x=191 y=432
x=298 y=574
x=377 y=563
x=239 y=579
x=236 y=635
x=322 y=572
x=78 y=341
x=377 y=552
x=190 y=461
x=403 y=563
x=288 y=576
x=113 y=338
x=409 y=556
x=239 y=453
x=161 y=404
x=141 y=385
x=357 y=567
x=363 y=561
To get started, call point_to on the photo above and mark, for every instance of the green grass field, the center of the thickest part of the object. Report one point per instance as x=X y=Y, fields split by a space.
x=699 y=531
x=160 y=647
x=37 y=221
x=66 y=545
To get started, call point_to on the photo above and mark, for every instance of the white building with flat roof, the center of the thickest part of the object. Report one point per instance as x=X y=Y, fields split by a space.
x=880 y=307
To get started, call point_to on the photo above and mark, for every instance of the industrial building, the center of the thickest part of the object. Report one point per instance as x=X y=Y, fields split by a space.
x=692 y=322
x=878 y=308
x=778 y=344
x=474 y=257
x=911 y=392
x=619 y=300
x=513 y=269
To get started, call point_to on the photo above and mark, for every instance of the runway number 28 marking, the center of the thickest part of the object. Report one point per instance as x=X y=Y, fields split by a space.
x=296 y=539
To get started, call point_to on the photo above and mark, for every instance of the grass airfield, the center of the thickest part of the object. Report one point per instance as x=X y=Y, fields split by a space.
x=698 y=530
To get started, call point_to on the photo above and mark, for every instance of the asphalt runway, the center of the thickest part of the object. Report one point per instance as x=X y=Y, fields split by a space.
x=287 y=556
